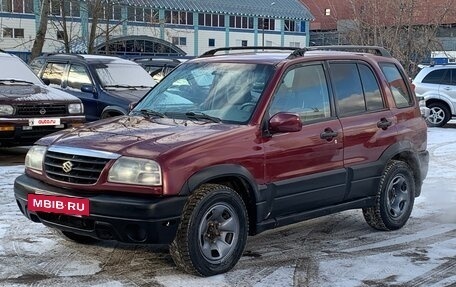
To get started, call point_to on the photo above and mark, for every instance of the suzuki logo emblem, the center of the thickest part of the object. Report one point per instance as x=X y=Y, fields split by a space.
x=67 y=166
x=42 y=111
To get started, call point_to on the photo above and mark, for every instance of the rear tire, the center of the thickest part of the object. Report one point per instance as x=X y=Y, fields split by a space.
x=212 y=234
x=395 y=198
x=439 y=115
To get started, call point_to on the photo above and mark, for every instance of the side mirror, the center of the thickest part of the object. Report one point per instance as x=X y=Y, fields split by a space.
x=285 y=123
x=131 y=106
x=47 y=82
x=88 y=89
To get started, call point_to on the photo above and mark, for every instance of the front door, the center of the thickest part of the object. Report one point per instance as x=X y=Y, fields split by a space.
x=305 y=169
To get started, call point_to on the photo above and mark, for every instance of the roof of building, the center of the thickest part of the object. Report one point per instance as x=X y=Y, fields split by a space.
x=280 y=9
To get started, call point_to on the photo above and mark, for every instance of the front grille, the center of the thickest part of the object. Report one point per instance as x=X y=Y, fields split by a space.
x=41 y=110
x=82 y=170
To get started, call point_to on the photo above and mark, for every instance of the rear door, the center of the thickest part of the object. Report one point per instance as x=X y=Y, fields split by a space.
x=305 y=169
x=368 y=125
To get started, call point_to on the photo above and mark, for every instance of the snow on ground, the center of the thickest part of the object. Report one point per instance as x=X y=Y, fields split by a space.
x=335 y=250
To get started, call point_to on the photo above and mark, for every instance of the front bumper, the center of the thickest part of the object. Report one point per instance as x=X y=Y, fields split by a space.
x=16 y=131
x=125 y=218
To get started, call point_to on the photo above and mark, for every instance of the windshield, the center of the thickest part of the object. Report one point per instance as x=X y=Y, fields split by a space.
x=15 y=69
x=123 y=75
x=225 y=92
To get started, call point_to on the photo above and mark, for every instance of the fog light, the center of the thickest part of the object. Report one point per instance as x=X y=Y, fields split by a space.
x=6 y=128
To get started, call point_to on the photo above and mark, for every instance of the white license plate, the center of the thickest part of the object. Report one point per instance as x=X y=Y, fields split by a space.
x=44 y=122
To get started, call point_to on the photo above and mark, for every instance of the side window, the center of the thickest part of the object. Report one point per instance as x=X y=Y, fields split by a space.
x=348 y=88
x=397 y=84
x=303 y=91
x=36 y=65
x=374 y=100
x=54 y=73
x=434 y=77
x=77 y=77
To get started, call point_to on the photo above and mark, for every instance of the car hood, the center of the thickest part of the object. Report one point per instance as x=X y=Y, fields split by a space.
x=137 y=136
x=129 y=95
x=33 y=93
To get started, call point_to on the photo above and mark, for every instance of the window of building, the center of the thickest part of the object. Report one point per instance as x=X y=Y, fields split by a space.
x=181 y=41
x=266 y=24
x=211 y=42
x=28 y=6
x=290 y=25
x=55 y=7
x=60 y=35
x=131 y=13
x=7 y=32
x=139 y=13
x=7 y=6
x=327 y=12
x=18 y=6
x=268 y=43
x=242 y=43
x=75 y=9
x=241 y=22
x=18 y=33
x=211 y=20
x=117 y=12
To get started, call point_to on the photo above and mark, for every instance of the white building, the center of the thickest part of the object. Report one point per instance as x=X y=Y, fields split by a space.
x=160 y=27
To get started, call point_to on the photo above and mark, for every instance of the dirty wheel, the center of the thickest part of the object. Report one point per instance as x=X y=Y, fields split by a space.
x=395 y=198
x=212 y=233
x=439 y=115
x=77 y=237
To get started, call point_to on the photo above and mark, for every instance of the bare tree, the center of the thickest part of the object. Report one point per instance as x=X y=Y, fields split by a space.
x=38 y=44
x=405 y=27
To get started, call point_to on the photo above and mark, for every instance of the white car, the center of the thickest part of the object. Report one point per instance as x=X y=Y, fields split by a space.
x=437 y=85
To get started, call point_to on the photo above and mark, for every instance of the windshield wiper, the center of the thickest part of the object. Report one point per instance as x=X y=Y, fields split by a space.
x=152 y=113
x=4 y=81
x=121 y=86
x=202 y=116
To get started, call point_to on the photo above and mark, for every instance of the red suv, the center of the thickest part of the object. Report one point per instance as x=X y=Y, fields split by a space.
x=232 y=144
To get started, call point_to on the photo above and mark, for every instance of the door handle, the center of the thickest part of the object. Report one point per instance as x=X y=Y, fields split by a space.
x=328 y=134
x=384 y=123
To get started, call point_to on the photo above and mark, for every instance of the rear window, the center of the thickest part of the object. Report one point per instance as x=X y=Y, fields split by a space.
x=397 y=85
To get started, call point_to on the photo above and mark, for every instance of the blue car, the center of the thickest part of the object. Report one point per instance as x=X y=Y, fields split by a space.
x=106 y=85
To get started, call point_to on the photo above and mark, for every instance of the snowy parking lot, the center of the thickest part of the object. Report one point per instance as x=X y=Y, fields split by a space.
x=335 y=250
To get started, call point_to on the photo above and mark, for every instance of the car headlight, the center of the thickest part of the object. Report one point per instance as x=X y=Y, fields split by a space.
x=35 y=156
x=75 y=109
x=132 y=170
x=6 y=110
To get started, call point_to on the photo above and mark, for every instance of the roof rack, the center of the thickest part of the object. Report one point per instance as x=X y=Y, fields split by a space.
x=63 y=54
x=376 y=50
x=262 y=48
x=154 y=59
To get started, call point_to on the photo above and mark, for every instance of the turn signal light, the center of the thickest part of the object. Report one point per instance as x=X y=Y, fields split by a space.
x=6 y=128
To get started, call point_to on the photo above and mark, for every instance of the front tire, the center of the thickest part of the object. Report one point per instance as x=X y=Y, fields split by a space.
x=212 y=233
x=439 y=115
x=395 y=198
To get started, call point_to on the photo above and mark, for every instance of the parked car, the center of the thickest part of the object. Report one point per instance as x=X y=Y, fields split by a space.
x=106 y=85
x=28 y=108
x=437 y=85
x=158 y=68
x=236 y=144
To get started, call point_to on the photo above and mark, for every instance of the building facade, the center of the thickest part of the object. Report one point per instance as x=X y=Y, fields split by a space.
x=161 y=27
